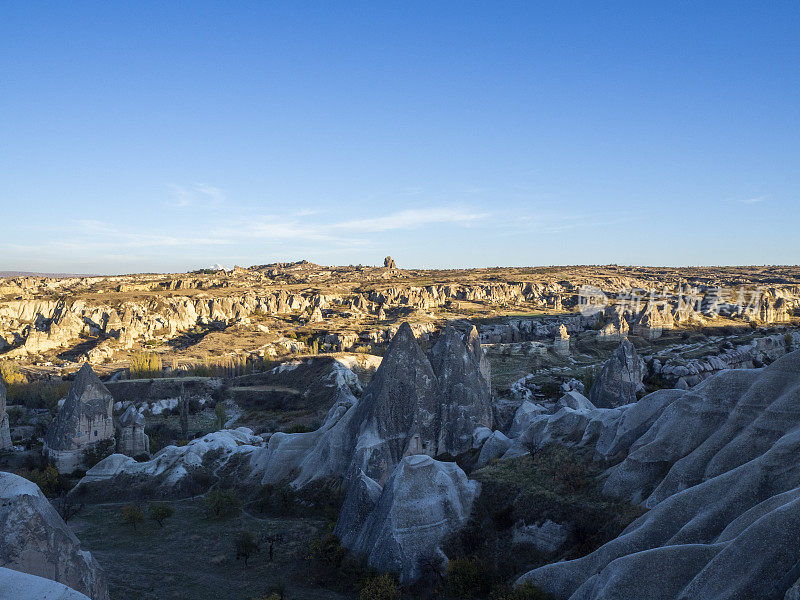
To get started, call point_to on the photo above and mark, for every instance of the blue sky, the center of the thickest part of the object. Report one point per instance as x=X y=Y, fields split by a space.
x=152 y=136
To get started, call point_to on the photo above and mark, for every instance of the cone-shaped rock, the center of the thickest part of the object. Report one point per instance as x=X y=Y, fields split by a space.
x=84 y=420
x=620 y=378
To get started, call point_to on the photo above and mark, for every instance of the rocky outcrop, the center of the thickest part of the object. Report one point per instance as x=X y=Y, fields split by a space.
x=616 y=327
x=561 y=342
x=654 y=320
x=423 y=502
x=36 y=541
x=5 y=431
x=84 y=421
x=22 y=586
x=620 y=379
x=170 y=472
x=718 y=471
x=388 y=263
x=132 y=440
x=464 y=391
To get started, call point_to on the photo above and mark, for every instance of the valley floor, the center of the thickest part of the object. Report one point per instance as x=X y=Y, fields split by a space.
x=193 y=558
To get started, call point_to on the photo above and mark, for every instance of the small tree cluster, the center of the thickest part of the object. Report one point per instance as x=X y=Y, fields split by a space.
x=132 y=514
x=160 y=512
x=380 y=587
x=245 y=545
x=221 y=502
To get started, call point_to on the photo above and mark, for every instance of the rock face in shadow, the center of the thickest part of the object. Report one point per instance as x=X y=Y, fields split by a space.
x=85 y=420
x=718 y=469
x=133 y=441
x=36 y=541
x=412 y=405
x=620 y=379
x=400 y=503
x=423 y=501
x=464 y=399
x=398 y=413
x=5 y=431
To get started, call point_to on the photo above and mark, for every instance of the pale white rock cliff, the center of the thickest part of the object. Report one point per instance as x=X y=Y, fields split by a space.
x=36 y=541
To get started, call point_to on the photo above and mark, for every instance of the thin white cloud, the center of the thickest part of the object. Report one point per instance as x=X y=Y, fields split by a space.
x=410 y=219
x=755 y=200
x=198 y=193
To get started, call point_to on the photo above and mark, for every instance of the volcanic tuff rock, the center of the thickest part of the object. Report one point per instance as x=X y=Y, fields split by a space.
x=132 y=441
x=36 y=540
x=561 y=342
x=465 y=397
x=85 y=420
x=22 y=586
x=423 y=501
x=5 y=432
x=620 y=379
x=169 y=472
x=718 y=469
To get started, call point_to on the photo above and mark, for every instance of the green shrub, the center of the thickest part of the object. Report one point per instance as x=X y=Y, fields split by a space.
x=245 y=545
x=132 y=515
x=160 y=512
x=48 y=479
x=466 y=578
x=221 y=503
x=589 y=375
x=382 y=587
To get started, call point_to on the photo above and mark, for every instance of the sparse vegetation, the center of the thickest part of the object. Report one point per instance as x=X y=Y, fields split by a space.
x=380 y=587
x=160 y=512
x=221 y=503
x=145 y=365
x=132 y=514
x=556 y=483
x=245 y=546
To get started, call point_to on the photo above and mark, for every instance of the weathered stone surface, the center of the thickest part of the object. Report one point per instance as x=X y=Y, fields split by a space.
x=718 y=470
x=22 y=586
x=5 y=431
x=561 y=342
x=546 y=537
x=620 y=379
x=465 y=400
x=133 y=441
x=494 y=447
x=168 y=473
x=84 y=420
x=388 y=263
x=36 y=540
x=420 y=505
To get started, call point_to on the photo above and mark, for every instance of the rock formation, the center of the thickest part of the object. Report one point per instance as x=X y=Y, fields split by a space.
x=169 y=473
x=22 y=586
x=84 y=421
x=616 y=329
x=423 y=501
x=620 y=379
x=388 y=263
x=717 y=468
x=5 y=432
x=36 y=541
x=464 y=395
x=132 y=440
x=561 y=342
